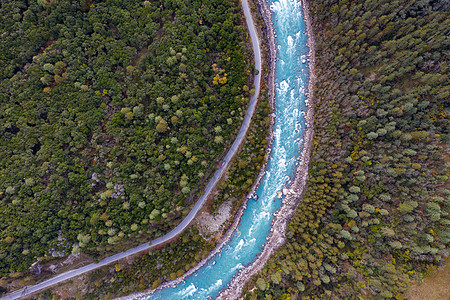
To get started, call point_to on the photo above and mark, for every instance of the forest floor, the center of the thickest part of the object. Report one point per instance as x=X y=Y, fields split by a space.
x=434 y=287
x=76 y=288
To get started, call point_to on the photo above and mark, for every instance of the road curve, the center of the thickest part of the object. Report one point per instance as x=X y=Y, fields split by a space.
x=209 y=188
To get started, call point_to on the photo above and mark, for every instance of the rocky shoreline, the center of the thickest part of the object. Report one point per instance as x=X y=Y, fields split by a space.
x=298 y=187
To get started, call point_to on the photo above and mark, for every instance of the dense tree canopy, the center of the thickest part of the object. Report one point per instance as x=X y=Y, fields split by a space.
x=160 y=266
x=112 y=114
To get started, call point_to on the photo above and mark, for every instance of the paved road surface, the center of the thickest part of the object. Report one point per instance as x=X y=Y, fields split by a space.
x=209 y=188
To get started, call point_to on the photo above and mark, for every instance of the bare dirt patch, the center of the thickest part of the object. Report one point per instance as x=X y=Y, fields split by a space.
x=73 y=289
x=209 y=224
x=436 y=287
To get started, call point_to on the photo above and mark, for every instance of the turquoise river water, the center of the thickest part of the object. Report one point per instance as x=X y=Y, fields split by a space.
x=247 y=242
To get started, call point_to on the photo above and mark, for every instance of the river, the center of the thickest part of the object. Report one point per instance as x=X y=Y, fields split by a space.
x=248 y=240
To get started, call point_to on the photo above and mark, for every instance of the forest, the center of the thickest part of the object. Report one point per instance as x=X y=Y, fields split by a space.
x=374 y=217
x=148 y=271
x=113 y=115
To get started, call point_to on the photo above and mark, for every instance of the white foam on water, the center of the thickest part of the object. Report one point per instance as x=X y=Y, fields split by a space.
x=283 y=8
x=187 y=292
x=293 y=96
x=281 y=155
x=277 y=140
x=281 y=158
x=256 y=218
x=238 y=267
x=209 y=266
x=288 y=15
x=291 y=44
x=214 y=287
x=277 y=133
x=239 y=246
x=263 y=215
x=250 y=231
x=284 y=86
x=275 y=7
x=282 y=163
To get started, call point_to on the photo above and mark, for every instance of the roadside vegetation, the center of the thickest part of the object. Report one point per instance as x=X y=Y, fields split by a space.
x=148 y=271
x=113 y=116
x=375 y=214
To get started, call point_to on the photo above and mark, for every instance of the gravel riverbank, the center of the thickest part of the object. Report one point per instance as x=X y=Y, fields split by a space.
x=295 y=193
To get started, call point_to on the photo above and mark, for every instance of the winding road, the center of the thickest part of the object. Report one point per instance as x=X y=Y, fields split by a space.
x=198 y=205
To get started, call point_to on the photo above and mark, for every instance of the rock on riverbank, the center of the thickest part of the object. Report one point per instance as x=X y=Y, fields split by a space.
x=210 y=225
